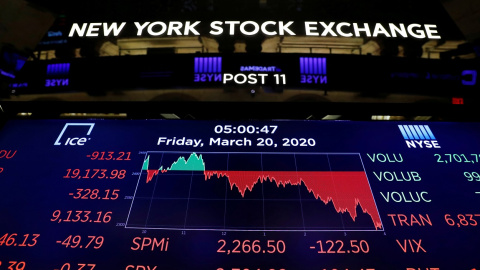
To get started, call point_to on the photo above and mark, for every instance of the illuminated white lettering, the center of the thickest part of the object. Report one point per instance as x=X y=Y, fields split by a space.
x=162 y=30
x=262 y=78
x=216 y=29
x=250 y=28
x=92 y=28
x=430 y=32
x=140 y=27
x=416 y=33
x=227 y=77
x=264 y=28
x=284 y=28
x=400 y=30
x=76 y=29
x=232 y=26
x=191 y=28
x=174 y=26
x=255 y=30
x=379 y=29
x=339 y=29
x=328 y=29
x=113 y=27
x=311 y=28
x=365 y=29
x=241 y=78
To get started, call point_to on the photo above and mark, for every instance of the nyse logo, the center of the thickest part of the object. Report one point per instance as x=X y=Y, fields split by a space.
x=313 y=70
x=208 y=69
x=57 y=74
x=73 y=134
x=418 y=136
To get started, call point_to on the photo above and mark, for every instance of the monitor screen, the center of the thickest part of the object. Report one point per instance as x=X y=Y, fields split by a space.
x=283 y=194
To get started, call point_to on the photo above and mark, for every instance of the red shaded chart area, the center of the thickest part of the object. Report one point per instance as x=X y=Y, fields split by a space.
x=346 y=190
x=151 y=174
x=254 y=191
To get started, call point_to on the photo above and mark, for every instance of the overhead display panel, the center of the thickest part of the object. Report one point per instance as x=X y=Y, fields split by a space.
x=238 y=51
x=175 y=194
x=267 y=73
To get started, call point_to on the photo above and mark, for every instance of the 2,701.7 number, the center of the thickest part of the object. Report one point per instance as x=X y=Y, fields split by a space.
x=457 y=158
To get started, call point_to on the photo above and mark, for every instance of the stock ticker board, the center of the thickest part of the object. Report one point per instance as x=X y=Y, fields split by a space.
x=226 y=195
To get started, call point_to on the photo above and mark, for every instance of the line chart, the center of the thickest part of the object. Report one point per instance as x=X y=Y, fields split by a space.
x=253 y=191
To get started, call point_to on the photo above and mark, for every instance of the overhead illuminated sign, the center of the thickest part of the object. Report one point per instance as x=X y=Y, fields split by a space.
x=284 y=71
x=268 y=28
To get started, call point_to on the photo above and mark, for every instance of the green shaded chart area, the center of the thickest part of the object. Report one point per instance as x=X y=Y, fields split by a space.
x=192 y=163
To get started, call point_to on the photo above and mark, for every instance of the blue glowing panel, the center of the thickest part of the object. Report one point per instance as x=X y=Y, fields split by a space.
x=313 y=66
x=208 y=65
x=197 y=64
x=61 y=69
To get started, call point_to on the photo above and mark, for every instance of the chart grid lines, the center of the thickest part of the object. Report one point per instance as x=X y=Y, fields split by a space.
x=370 y=187
x=276 y=175
x=299 y=192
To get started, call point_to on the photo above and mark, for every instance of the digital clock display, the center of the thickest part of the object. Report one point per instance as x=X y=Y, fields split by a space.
x=228 y=195
x=242 y=129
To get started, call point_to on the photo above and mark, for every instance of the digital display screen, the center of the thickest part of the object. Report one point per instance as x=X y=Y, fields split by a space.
x=227 y=195
x=273 y=73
